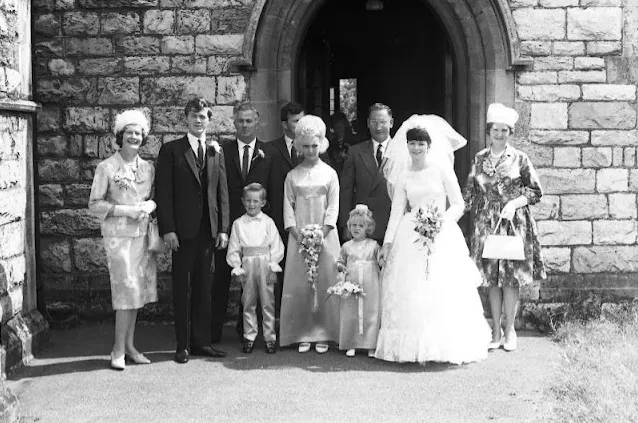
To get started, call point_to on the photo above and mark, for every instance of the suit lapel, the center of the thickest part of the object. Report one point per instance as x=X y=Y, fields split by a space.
x=255 y=158
x=235 y=156
x=189 y=155
x=367 y=156
x=210 y=163
x=283 y=149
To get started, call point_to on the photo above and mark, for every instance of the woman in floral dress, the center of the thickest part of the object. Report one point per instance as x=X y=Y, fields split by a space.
x=120 y=198
x=501 y=184
x=311 y=197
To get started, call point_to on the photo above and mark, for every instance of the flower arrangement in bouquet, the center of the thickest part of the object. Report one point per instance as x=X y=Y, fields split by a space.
x=310 y=245
x=428 y=225
x=344 y=288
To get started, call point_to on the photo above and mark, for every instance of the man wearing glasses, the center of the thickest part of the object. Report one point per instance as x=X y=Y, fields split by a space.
x=362 y=180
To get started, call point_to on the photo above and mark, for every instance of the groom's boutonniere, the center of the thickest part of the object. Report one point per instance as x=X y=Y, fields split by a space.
x=214 y=145
x=260 y=154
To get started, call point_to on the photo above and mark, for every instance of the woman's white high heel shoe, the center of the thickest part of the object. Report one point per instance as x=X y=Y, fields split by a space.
x=350 y=353
x=118 y=363
x=510 y=343
x=304 y=347
x=321 y=348
x=138 y=358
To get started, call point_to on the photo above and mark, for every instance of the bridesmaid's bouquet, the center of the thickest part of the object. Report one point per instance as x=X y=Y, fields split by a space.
x=428 y=226
x=310 y=245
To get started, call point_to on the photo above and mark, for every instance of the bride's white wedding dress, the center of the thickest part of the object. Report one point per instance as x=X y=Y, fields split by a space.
x=438 y=317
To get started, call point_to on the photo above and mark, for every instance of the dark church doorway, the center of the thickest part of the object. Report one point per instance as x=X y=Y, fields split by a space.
x=399 y=55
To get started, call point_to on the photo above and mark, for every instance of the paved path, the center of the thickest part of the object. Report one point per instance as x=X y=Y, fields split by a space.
x=71 y=382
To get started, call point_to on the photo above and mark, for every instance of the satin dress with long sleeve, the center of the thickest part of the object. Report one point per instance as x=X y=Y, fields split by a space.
x=311 y=196
x=431 y=310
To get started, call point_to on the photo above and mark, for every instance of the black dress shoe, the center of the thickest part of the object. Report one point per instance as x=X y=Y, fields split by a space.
x=181 y=356
x=271 y=347
x=248 y=346
x=208 y=351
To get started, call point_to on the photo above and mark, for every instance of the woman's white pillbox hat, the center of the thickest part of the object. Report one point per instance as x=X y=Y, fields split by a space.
x=498 y=113
x=131 y=117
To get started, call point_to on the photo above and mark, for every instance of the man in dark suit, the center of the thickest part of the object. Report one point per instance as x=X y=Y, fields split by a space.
x=362 y=180
x=246 y=162
x=193 y=217
x=284 y=158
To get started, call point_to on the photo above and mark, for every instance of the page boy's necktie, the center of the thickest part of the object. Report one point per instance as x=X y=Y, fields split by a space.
x=200 y=154
x=379 y=155
x=244 y=162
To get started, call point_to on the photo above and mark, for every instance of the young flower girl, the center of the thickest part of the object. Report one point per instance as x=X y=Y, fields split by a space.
x=359 y=271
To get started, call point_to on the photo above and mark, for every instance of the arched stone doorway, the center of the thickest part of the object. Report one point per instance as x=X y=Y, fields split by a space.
x=483 y=48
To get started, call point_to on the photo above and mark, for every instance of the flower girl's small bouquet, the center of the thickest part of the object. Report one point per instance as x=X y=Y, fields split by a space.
x=310 y=245
x=428 y=225
x=344 y=288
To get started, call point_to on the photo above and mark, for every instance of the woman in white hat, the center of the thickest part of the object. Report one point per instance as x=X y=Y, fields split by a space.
x=501 y=185
x=120 y=198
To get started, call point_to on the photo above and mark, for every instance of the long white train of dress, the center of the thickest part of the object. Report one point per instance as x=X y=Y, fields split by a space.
x=435 y=313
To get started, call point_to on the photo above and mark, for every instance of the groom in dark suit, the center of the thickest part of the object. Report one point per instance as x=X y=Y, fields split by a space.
x=193 y=216
x=246 y=162
x=362 y=180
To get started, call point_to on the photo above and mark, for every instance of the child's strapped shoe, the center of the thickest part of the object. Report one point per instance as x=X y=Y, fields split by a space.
x=271 y=347
x=248 y=346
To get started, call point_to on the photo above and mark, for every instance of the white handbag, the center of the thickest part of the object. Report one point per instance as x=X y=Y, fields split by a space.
x=504 y=247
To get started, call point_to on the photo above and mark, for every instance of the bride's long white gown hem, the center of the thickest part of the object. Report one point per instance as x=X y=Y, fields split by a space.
x=435 y=313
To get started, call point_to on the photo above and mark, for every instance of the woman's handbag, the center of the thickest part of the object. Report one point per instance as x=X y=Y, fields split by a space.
x=504 y=247
x=155 y=241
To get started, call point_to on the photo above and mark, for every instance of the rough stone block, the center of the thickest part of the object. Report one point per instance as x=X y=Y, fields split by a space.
x=567 y=157
x=159 y=21
x=55 y=255
x=58 y=170
x=61 y=67
x=218 y=65
x=527 y=23
x=77 y=194
x=64 y=4
x=568 y=48
x=599 y=3
x=553 y=63
x=118 y=91
x=588 y=63
x=603 y=48
x=596 y=23
x=88 y=170
x=103 y=66
x=49 y=48
x=230 y=89
x=70 y=91
x=599 y=259
x=99 y=146
x=229 y=20
x=609 y=92
x=617 y=156
x=583 y=207
x=559 y=137
x=597 y=157
x=169 y=119
x=536 y=48
x=601 y=115
x=547 y=208
x=69 y=222
x=219 y=44
x=553 y=232
x=567 y=181
x=533 y=78
x=188 y=65
x=80 y=23
x=150 y=150
x=622 y=206
x=52 y=145
x=548 y=116
x=577 y=77
x=174 y=90
x=12 y=239
x=558 y=3
x=538 y=154
x=90 y=255
x=557 y=260
x=87 y=119
x=103 y=4
x=89 y=47
x=612 y=180
x=621 y=138
x=629 y=157
x=137 y=45
x=222 y=120
x=193 y=21
x=120 y=23
x=47 y=25
x=49 y=119
x=549 y=93
x=50 y=195
x=146 y=65
x=184 y=44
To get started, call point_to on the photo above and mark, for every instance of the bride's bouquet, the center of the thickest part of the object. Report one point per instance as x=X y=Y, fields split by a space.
x=310 y=245
x=428 y=225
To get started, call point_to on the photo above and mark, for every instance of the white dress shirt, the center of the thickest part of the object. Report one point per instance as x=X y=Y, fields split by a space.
x=251 y=150
x=258 y=231
x=194 y=142
x=289 y=142
x=384 y=146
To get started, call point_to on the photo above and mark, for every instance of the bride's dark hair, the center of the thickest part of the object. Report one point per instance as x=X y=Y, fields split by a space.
x=418 y=134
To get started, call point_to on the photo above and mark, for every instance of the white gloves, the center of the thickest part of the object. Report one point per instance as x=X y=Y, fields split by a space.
x=510 y=208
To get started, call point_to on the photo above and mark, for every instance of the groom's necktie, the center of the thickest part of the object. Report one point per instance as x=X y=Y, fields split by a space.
x=200 y=154
x=244 y=162
x=379 y=155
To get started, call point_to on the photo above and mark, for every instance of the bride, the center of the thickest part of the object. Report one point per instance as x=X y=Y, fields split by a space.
x=431 y=310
